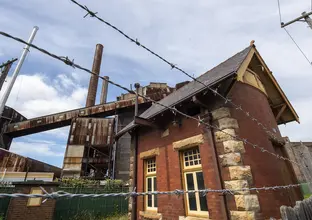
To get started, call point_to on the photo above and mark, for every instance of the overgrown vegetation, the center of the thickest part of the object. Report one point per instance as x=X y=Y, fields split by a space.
x=80 y=183
x=90 y=216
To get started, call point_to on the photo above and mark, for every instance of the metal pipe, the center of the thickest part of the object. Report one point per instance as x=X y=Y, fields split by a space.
x=114 y=147
x=304 y=15
x=94 y=79
x=7 y=92
x=135 y=146
x=136 y=109
x=104 y=90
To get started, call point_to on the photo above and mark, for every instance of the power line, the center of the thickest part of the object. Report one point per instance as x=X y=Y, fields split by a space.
x=200 y=121
x=305 y=56
x=174 y=66
x=284 y=27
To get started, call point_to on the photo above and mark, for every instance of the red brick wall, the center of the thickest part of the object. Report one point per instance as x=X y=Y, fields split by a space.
x=18 y=208
x=266 y=169
x=169 y=172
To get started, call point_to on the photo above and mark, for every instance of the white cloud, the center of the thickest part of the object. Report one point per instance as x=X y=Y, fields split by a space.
x=37 y=149
x=33 y=96
x=60 y=134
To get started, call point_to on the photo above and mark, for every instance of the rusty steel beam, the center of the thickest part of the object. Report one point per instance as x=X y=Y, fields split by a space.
x=94 y=79
x=62 y=119
x=4 y=74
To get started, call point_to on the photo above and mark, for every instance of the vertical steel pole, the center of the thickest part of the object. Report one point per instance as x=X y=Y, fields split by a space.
x=8 y=90
x=134 y=150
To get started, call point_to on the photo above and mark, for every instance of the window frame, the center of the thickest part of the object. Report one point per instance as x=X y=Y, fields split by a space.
x=192 y=170
x=150 y=175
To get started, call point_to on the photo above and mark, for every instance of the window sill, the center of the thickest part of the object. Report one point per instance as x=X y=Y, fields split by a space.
x=150 y=215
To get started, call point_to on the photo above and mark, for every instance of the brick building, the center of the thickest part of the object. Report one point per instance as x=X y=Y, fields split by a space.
x=170 y=152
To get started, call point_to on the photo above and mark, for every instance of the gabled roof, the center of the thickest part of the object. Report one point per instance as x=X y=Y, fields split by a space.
x=210 y=78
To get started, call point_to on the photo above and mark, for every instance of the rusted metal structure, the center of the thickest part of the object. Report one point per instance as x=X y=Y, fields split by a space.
x=8 y=116
x=89 y=148
x=11 y=162
x=104 y=90
x=94 y=79
x=62 y=119
x=91 y=151
x=5 y=68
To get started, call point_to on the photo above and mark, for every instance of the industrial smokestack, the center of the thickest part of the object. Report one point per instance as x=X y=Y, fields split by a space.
x=94 y=79
x=104 y=90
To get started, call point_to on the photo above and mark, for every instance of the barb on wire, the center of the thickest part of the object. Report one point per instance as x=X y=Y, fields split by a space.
x=173 y=109
x=173 y=66
x=7 y=63
x=178 y=192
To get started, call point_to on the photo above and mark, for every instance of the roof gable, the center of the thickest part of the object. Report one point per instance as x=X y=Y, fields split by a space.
x=280 y=104
x=210 y=78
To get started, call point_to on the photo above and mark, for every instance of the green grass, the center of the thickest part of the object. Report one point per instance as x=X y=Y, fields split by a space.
x=307 y=196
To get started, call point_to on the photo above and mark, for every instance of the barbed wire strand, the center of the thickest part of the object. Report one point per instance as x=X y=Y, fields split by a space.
x=202 y=192
x=174 y=66
x=200 y=121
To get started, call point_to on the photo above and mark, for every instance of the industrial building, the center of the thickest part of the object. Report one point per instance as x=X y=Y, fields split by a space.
x=92 y=151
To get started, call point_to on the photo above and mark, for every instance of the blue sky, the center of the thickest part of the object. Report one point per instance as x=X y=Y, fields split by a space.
x=196 y=35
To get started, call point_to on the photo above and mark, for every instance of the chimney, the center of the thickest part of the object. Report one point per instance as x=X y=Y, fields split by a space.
x=94 y=79
x=104 y=90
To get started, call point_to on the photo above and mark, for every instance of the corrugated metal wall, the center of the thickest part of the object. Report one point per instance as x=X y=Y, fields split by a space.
x=89 y=147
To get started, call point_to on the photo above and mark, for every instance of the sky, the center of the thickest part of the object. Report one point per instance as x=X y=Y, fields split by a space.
x=195 y=35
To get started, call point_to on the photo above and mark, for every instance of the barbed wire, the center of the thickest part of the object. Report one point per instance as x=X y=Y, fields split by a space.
x=7 y=63
x=202 y=192
x=200 y=121
x=174 y=66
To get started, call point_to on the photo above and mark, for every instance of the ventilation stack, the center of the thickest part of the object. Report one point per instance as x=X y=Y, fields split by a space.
x=94 y=78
